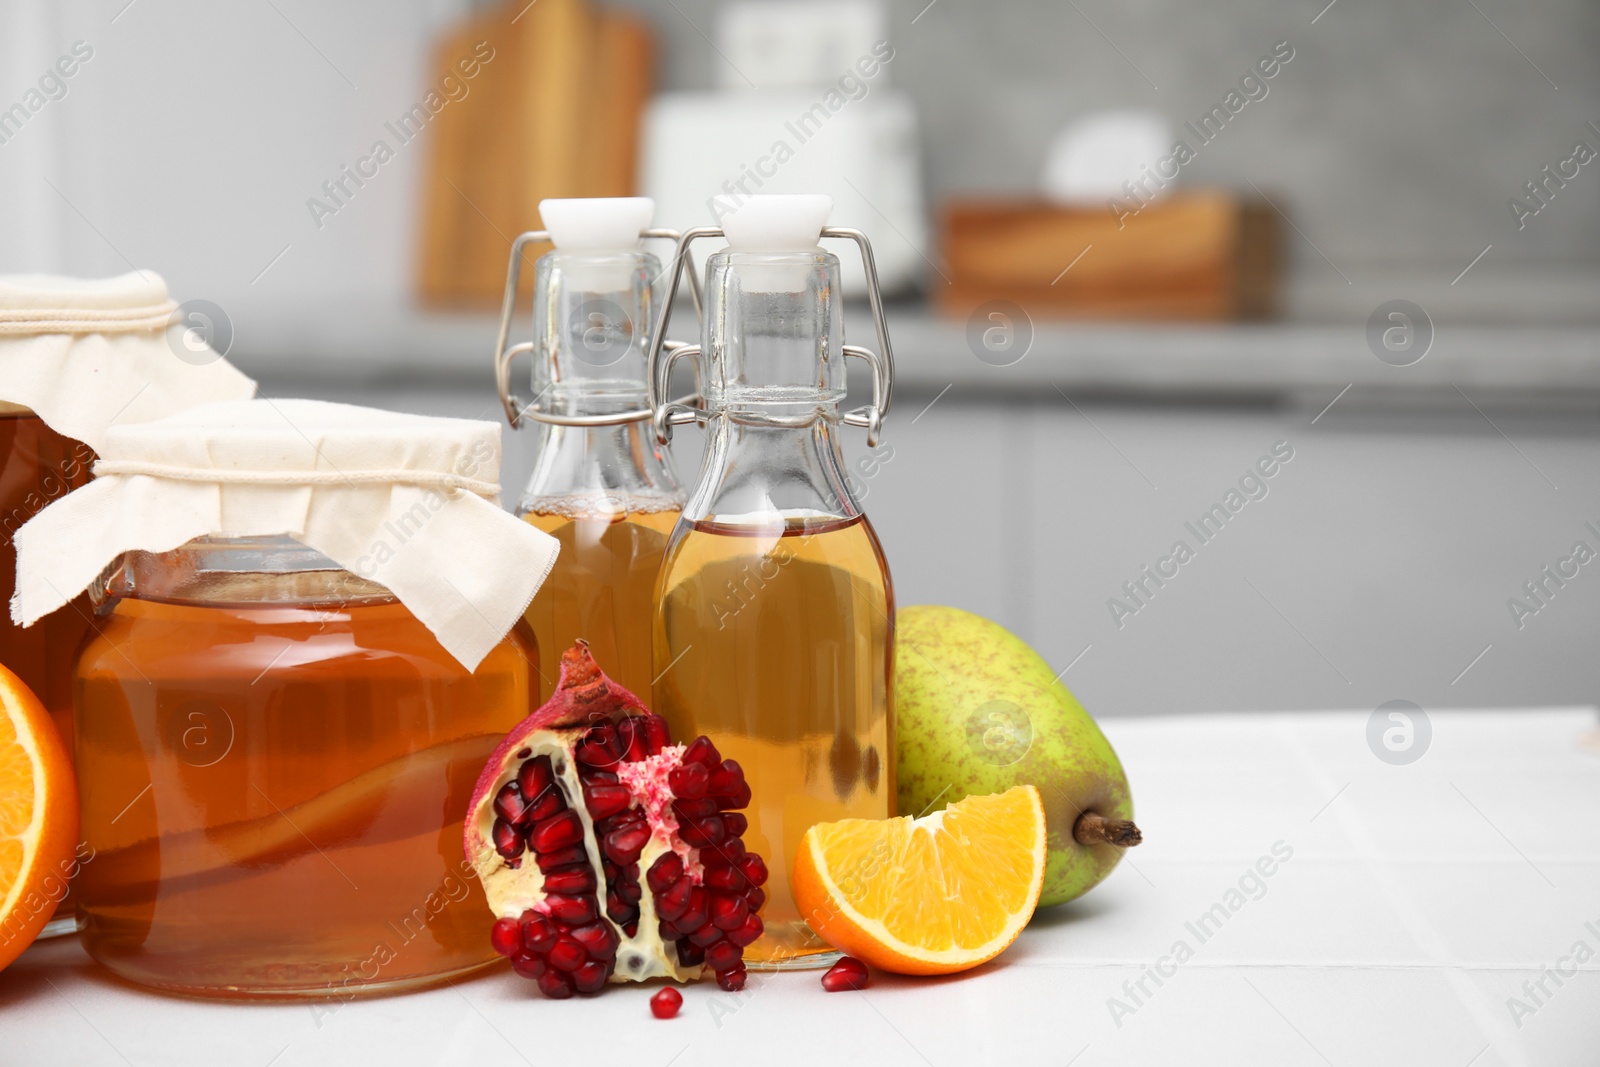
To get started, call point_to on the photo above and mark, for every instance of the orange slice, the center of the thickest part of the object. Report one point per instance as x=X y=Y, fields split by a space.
x=933 y=895
x=38 y=817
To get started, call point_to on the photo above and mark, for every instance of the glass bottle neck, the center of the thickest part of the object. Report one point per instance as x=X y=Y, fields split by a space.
x=759 y=474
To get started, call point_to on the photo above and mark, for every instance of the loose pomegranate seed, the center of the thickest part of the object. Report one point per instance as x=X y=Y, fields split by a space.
x=665 y=1004
x=507 y=841
x=558 y=832
x=848 y=973
x=732 y=979
x=506 y=936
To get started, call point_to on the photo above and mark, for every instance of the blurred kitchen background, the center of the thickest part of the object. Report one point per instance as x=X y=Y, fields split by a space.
x=1377 y=254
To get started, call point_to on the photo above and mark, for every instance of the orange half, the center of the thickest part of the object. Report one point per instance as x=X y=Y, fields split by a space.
x=38 y=817
x=933 y=895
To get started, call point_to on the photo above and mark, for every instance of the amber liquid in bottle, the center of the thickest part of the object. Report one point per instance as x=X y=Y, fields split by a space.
x=783 y=657
x=603 y=587
x=37 y=467
x=275 y=795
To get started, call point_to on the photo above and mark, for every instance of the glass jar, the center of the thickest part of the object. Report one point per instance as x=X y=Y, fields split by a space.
x=601 y=484
x=38 y=465
x=275 y=757
x=774 y=633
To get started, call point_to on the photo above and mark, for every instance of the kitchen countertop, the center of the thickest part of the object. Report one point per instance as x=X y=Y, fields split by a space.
x=1298 y=900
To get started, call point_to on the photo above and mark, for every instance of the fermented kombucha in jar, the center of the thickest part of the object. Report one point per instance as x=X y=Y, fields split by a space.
x=275 y=767
x=37 y=466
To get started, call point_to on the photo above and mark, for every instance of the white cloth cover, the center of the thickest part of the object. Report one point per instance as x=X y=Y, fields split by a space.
x=86 y=353
x=409 y=501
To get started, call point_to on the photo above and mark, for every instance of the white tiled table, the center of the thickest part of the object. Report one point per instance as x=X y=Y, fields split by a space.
x=1417 y=901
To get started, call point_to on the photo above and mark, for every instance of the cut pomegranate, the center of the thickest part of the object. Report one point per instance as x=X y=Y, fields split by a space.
x=665 y=1004
x=849 y=973
x=637 y=865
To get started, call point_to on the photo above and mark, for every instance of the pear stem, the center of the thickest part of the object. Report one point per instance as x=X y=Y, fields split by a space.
x=1092 y=829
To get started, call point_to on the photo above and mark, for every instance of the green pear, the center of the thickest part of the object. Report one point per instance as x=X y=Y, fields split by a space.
x=977 y=711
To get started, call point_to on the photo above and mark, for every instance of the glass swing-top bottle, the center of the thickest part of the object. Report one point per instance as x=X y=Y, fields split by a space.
x=601 y=484
x=774 y=629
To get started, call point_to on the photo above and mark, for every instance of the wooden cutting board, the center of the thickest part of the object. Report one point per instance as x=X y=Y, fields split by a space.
x=557 y=112
x=1190 y=256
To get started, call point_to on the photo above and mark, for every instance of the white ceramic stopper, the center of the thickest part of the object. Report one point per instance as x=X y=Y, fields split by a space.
x=597 y=224
x=773 y=223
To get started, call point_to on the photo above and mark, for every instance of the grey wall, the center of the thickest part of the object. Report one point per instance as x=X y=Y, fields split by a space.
x=1394 y=136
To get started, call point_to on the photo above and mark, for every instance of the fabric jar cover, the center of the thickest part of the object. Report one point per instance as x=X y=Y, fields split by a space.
x=83 y=354
x=408 y=501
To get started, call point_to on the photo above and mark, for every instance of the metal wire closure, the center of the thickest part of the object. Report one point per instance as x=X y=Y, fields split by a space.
x=504 y=357
x=667 y=414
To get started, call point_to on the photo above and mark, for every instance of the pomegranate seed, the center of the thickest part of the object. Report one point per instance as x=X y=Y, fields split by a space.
x=848 y=973
x=566 y=857
x=736 y=823
x=631 y=929
x=568 y=955
x=624 y=845
x=507 y=841
x=733 y=979
x=739 y=798
x=694 y=809
x=535 y=776
x=656 y=734
x=702 y=833
x=591 y=977
x=597 y=940
x=538 y=934
x=725 y=878
x=598 y=748
x=524 y=753
x=749 y=933
x=506 y=936
x=722 y=955
x=756 y=897
x=726 y=779
x=698 y=911
x=754 y=869
x=705 y=936
x=619 y=910
x=557 y=833
x=688 y=781
x=546 y=804
x=574 y=880
x=631 y=738
x=665 y=1004
x=528 y=966
x=630 y=891
x=728 y=912
x=703 y=752
x=574 y=911
x=668 y=931
x=606 y=800
x=555 y=985
x=673 y=903
x=508 y=803
x=690 y=954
